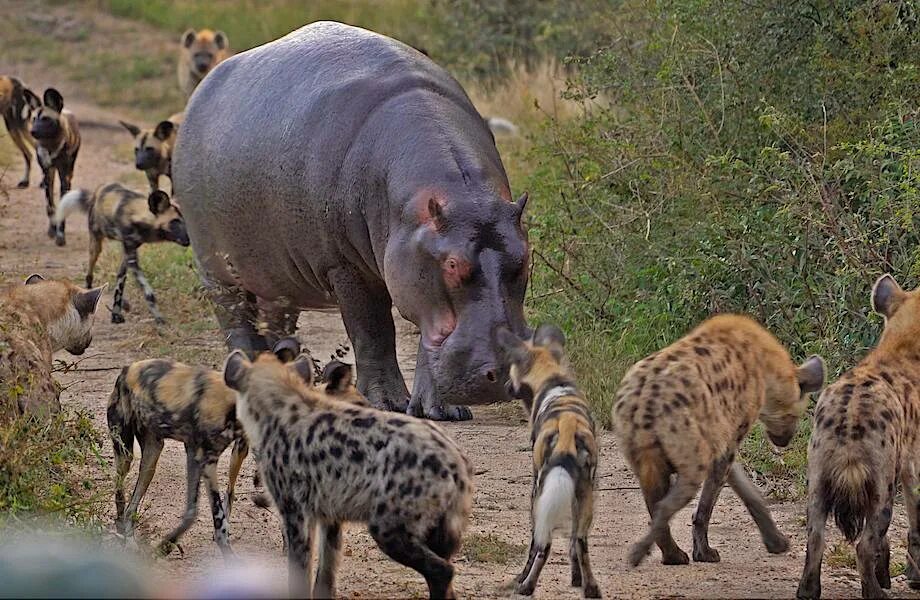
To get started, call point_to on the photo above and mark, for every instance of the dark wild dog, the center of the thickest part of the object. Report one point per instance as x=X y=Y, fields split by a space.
x=57 y=134
x=17 y=104
x=120 y=214
x=153 y=148
x=564 y=452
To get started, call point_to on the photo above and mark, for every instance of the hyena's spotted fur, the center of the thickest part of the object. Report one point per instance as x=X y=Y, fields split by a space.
x=866 y=438
x=153 y=148
x=57 y=135
x=117 y=213
x=37 y=319
x=199 y=53
x=685 y=410
x=329 y=461
x=564 y=452
x=17 y=105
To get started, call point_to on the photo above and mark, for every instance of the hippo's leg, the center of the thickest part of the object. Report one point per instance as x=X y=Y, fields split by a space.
x=236 y=313
x=366 y=311
x=425 y=402
x=277 y=320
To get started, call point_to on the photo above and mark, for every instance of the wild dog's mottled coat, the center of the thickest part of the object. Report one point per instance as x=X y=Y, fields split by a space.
x=37 y=319
x=17 y=104
x=564 y=452
x=57 y=134
x=199 y=53
x=334 y=461
x=685 y=410
x=117 y=213
x=866 y=438
x=153 y=148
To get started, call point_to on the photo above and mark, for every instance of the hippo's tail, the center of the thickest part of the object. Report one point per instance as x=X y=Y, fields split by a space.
x=72 y=201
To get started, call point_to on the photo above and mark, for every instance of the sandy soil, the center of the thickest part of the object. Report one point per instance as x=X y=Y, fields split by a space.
x=496 y=440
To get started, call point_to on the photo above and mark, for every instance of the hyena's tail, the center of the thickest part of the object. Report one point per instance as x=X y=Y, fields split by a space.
x=849 y=491
x=72 y=201
x=554 y=504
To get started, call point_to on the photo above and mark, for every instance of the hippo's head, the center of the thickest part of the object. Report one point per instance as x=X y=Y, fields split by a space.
x=458 y=270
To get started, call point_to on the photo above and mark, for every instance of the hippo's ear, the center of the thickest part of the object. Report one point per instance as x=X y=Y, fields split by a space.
x=887 y=295
x=34 y=278
x=236 y=370
x=521 y=204
x=303 y=367
x=286 y=349
x=513 y=349
x=338 y=376
x=811 y=374
x=158 y=202
x=222 y=41
x=188 y=38
x=134 y=130
x=53 y=100
x=551 y=338
x=163 y=130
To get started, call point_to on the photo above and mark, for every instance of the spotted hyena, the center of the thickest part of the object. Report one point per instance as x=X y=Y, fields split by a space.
x=326 y=461
x=685 y=410
x=866 y=438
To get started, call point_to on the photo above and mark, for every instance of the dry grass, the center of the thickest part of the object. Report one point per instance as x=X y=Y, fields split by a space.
x=489 y=548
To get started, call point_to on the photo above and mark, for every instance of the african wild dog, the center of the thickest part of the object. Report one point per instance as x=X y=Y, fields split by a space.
x=199 y=53
x=117 y=213
x=55 y=130
x=685 y=410
x=37 y=319
x=17 y=103
x=328 y=462
x=153 y=148
x=866 y=438
x=564 y=452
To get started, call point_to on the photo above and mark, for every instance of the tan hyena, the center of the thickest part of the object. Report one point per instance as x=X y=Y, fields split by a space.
x=199 y=53
x=685 y=410
x=866 y=438
x=17 y=104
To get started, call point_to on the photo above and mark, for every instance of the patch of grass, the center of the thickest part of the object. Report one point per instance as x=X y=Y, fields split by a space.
x=489 y=548
x=786 y=468
x=841 y=555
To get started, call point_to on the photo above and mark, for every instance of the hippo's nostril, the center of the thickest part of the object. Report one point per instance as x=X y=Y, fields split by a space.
x=490 y=375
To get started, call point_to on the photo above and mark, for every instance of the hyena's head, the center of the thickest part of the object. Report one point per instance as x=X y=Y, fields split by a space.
x=19 y=102
x=204 y=49
x=533 y=364
x=281 y=373
x=901 y=310
x=67 y=310
x=46 y=122
x=151 y=146
x=787 y=388
x=168 y=221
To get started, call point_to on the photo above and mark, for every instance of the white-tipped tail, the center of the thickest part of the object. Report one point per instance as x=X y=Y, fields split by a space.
x=72 y=200
x=500 y=126
x=554 y=505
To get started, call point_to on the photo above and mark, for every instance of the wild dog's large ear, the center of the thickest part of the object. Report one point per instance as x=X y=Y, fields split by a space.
x=188 y=38
x=551 y=338
x=811 y=374
x=132 y=129
x=34 y=278
x=32 y=100
x=158 y=202
x=236 y=369
x=887 y=295
x=86 y=302
x=303 y=367
x=513 y=349
x=286 y=349
x=53 y=100
x=221 y=39
x=163 y=130
x=338 y=376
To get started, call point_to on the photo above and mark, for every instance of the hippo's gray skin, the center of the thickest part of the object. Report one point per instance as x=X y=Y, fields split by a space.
x=339 y=167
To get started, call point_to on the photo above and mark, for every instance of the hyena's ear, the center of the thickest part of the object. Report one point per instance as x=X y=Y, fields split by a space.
x=86 y=302
x=236 y=369
x=286 y=349
x=34 y=278
x=32 y=100
x=134 y=130
x=338 y=376
x=158 y=202
x=550 y=337
x=513 y=348
x=188 y=38
x=53 y=100
x=811 y=374
x=887 y=295
x=222 y=41
x=163 y=130
x=303 y=367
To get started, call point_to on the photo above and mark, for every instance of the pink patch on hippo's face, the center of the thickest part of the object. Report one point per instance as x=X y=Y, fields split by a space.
x=455 y=271
x=439 y=328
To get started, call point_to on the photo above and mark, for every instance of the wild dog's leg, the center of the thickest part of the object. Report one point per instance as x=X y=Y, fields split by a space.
x=532 y=551
x=193 y=471
x=408 y=550
x=702 y=551
x=118 y=301
x=369 y=323
x=151 y=447
x=330 y=547
x=19 y=138
x=676 y=498
x=221 y=518
x=655 y=481
x=810 y=583
x=48 y=184
x=123 y=446
x=153 y=179
x=279 y=318
x=742 y=485
x=867 y=555
x=135 y=268
x=65 y=173
x=297 y=537
x=911 y=498
x=583 y=517
x=95 y=249
x=236 y=313
x=237 y=456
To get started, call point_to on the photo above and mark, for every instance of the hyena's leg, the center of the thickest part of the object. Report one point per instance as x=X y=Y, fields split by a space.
x=298 y=533
x=810 y=583
x=911 y=499
x=867 y=555
x=581 y=524
x=193 y=471
x=151 y=447
x=883 y=562
x=237 y=456
x=134 y=266
x=119 y=300
x=220 y=517
x=742 y=485
x=702 y=551
x=655 y=481
x=19 y=138
x=330 y=547
x=676 y=498
x=95 y=249
x=408 y=550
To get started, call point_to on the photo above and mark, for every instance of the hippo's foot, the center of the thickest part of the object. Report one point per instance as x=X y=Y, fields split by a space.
x=438 y=412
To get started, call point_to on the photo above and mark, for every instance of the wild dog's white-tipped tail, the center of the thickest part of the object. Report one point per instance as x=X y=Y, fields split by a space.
x=72 y=200
x=554 y=505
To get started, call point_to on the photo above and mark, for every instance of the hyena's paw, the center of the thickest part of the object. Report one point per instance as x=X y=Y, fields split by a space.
x=675 y=557
x=706 y=555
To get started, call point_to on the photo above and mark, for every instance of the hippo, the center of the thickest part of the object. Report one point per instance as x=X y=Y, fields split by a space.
x=336 y=167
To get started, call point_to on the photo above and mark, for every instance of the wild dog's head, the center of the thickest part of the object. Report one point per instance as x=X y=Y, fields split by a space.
x=533 y=364
x=67 y=310
x=787 y=391
x=168 y=222
x=339 y=380
x=46 y=121
x=151 y=145
x=204 y=50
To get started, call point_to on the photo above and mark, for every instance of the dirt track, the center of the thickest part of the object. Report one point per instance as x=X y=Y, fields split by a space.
x=496 y=440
